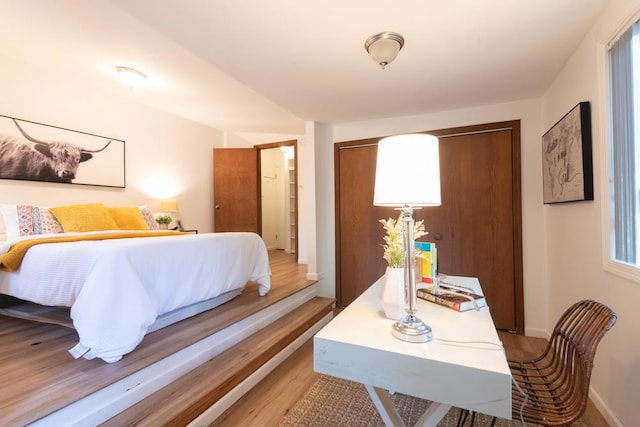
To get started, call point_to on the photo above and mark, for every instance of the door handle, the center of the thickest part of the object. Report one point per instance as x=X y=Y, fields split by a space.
x=437 y=236
x=217 y=206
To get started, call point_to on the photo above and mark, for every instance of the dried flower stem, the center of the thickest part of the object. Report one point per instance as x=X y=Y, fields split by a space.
x=393 y=247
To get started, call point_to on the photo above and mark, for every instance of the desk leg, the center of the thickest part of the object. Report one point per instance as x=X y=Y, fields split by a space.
x=432 y=416
x=434 y=413
x=385 y=407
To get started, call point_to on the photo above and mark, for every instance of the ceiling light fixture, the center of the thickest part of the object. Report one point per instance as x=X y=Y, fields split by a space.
x=384 y=47
x=130 y=76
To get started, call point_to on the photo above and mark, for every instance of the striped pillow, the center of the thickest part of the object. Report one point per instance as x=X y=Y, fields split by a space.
x=147 y=215
x=28 y=220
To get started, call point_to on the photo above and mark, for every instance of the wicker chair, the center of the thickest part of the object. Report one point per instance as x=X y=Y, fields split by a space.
x=556 y=383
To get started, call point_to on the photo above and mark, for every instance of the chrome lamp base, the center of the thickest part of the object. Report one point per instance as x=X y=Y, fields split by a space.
x=411 y=329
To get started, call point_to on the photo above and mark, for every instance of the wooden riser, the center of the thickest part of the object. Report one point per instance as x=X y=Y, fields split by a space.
x=183 y=400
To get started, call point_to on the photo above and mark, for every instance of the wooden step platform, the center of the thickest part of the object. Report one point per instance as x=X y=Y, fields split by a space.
x=187 y=398
x=82 y=392
x=44 y=385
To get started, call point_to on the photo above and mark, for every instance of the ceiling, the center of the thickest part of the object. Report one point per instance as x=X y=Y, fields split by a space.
x=258 y=66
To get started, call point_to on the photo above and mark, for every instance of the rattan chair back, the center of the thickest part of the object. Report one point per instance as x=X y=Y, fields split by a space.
x=557 y=382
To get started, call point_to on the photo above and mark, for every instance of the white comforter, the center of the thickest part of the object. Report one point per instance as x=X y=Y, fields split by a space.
x=117 y=288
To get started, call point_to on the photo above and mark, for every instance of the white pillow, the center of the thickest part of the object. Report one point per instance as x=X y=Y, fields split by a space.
x=9 y=215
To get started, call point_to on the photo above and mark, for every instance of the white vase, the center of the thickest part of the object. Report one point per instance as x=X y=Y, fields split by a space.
x=392 y=293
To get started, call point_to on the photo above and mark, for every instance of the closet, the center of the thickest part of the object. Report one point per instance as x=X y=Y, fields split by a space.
x=477 y=229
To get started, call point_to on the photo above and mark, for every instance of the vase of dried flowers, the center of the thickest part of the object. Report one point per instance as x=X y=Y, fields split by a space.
x=392 y=294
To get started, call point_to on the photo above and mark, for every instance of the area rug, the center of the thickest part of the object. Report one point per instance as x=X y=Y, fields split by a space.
x=335 y=402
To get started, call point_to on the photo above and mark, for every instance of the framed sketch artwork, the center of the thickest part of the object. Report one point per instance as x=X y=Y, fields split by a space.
x=38 y=152
x=567 y=165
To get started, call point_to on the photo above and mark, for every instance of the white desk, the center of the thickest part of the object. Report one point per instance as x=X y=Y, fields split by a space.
x=357 y=345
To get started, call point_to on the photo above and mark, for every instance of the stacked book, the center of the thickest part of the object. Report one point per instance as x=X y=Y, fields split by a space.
x=452 y=296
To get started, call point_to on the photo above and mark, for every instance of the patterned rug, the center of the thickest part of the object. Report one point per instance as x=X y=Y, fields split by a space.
x=335 y=402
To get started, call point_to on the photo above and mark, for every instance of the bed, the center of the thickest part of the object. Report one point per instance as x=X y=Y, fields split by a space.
x=121 y=284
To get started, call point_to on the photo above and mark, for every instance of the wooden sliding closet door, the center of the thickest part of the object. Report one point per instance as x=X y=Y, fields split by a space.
x=477 y=229
x=359 y=243
x=474 y=228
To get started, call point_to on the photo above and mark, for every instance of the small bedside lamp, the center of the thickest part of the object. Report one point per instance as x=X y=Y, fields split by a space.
x=408 y=176
x=170 y=207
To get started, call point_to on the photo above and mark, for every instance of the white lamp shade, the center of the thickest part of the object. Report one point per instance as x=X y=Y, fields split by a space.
x=169 y=205
x=408 y=171
x=384 y=51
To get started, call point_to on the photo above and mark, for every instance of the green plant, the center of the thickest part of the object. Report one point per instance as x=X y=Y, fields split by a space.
x=164 y=219
x=394 y=247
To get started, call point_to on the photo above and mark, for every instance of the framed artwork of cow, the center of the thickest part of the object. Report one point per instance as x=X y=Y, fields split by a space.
x=38 y=152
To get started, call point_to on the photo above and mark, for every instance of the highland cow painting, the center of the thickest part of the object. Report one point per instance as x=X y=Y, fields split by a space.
x=36 y=152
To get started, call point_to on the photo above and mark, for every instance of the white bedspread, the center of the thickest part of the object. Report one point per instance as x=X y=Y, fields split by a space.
x=117 y=288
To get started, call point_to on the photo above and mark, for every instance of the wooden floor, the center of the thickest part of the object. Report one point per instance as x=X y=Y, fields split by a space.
x=268 y=402
x=38 y=375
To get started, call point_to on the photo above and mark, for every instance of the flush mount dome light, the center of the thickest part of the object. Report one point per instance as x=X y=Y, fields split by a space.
x=384 y=47
x=130 y=76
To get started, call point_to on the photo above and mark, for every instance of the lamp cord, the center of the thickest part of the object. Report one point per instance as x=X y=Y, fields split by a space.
x=524 y=400
x=497 y=345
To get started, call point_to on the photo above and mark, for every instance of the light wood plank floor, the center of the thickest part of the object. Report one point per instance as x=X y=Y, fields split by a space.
x=268 y=402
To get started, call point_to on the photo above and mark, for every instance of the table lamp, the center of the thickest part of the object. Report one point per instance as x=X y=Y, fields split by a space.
x=170 y=207
x=408 y=177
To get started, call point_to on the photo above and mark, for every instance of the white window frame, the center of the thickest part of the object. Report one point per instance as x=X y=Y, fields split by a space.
x=628 y=271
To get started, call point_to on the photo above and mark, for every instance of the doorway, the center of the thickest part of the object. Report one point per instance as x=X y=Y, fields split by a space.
x=278 y=198
x=238 y=185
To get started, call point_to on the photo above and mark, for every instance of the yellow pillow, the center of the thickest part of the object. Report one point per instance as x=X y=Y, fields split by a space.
x=127 y=217
x=86 y=217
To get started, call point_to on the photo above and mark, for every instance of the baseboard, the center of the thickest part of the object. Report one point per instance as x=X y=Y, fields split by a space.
x=606 y=412
x=536 y=333
x=210 y=414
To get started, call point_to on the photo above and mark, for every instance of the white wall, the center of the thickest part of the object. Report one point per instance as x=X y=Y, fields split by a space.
x=307 y=202
x=166 y=156
x=324 y=191
x=573 y=231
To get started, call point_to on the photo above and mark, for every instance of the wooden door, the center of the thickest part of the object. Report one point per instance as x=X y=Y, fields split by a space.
x=474 y=227
x=359 y=241
x=235 y=189
x=477 y=229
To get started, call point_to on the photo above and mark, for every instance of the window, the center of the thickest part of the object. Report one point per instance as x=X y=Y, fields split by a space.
x=624 y=160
